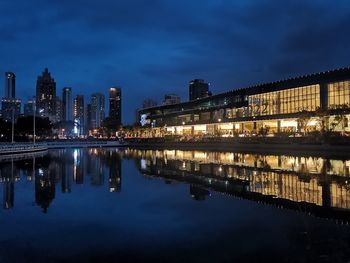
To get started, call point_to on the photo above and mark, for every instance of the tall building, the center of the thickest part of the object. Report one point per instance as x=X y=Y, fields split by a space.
x=170 y=99
x=59 y=109
x=67 y=108
x=29 y=107
x=10 y=106
x=88 y=122
x=78 y=113
x=97 y=109
x=198 y=89
x=10 y=85
x=46 y=95
x=115 y=105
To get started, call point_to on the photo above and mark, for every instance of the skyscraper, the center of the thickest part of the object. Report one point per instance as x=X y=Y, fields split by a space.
x=198 y=89
x=97 y=109
x=59 y=109
x=46 y=95
x=78 y=113
x=115 y=105
x=10 y=106
x=88 y=122
x=10 y=85
x=67 y=108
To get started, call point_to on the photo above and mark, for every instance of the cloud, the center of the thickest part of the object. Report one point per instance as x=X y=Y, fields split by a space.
x=154 y=47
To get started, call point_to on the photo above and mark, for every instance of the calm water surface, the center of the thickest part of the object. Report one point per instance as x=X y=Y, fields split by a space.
x=110 y=205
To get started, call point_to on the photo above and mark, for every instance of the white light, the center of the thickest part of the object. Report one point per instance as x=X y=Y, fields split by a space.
x=143 y=119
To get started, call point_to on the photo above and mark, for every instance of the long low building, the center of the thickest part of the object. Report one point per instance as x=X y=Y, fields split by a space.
x=309 y=103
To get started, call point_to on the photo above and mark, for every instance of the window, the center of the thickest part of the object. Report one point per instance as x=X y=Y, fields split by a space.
x=339 y=94
x=305 y=98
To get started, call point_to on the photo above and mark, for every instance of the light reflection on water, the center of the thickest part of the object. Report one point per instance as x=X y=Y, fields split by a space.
x=214 y=206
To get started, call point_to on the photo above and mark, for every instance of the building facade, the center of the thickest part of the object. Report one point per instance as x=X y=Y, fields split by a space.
x=10 y=85
x=79 y=113
x=97 y=110
x=88 y=122
x=59 y=109
x=46 y=95
x=67 y=104
x=10 y=106
x=304 y=104
x=115 y=105
x=198 y=89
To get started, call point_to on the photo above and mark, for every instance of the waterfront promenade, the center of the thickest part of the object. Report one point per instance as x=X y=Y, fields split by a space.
x=18 y=148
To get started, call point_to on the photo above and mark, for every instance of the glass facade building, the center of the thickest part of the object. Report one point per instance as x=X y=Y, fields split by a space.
x=281 y=106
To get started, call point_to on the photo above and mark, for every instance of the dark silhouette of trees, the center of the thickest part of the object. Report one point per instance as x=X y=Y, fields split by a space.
x=24 y=126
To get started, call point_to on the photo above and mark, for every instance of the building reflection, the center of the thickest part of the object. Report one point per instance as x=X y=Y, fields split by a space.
x=9 y=175
x=59 y=168
x=115 y=171
x=44 y=188
x=283 y=180
x=312 y=184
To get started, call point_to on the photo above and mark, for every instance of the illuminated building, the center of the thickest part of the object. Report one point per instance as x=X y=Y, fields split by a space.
x=115 y=105
x=67 y=104
x=198 y=89
x=46 y=95
x=10 y=106
x=97 y=109
x=79 y=113
x=88 y=122
x=59 y=109
x=10 y=85
x=322 y=100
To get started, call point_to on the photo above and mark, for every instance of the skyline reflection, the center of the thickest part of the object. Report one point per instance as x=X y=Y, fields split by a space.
x=315 y=185
x=58 y=170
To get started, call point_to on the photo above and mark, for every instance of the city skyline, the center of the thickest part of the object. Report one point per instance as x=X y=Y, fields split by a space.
x=155 y=49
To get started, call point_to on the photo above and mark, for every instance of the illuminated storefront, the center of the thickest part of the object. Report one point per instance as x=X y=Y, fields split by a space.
x=304 y=104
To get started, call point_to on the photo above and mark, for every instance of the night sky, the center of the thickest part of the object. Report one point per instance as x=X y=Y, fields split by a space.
x=154 y=47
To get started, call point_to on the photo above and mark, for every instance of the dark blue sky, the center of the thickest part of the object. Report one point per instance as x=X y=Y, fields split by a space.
x=151 y=48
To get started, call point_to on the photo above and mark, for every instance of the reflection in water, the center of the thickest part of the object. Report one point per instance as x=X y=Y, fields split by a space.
x=314 y=184
x=317 y=185
x=180 y=211
x=59 y=167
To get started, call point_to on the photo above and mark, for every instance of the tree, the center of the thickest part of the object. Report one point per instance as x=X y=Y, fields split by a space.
x=303 y=119
x=24 y=126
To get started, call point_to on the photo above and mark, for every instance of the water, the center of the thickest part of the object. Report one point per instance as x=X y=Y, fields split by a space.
x=109 y=205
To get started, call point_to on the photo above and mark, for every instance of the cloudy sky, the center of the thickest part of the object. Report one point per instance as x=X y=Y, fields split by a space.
x=154 y=47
